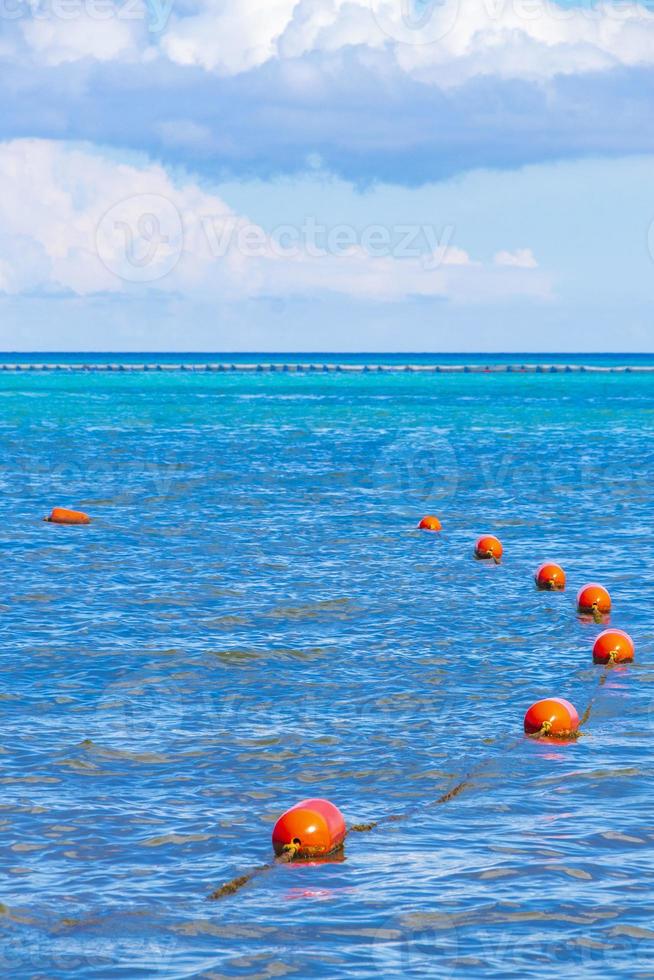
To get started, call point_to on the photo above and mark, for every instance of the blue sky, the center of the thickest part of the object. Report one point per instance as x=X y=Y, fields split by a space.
x=326 y=175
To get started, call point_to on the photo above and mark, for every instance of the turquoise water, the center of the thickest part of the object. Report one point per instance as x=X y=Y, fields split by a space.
x=252 y=619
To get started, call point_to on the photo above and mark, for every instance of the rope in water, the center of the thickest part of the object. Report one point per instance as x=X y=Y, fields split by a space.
x=360 y=828
x=467 y=781
x=290 y=850
x=237 y=883
x=241 y=880
x=596 y=614
x=600 y=684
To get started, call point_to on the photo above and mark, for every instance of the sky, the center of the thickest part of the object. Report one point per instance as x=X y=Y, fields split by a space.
x=326 y=175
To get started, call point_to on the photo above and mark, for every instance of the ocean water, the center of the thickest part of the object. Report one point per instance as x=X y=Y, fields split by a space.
x=253 y=618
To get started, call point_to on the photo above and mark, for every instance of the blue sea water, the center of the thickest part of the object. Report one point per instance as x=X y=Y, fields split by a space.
x=253 y=618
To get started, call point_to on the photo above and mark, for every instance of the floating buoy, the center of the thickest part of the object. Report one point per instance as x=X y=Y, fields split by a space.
x=613 y=647
x=550 y=577
x=312 y=828
x=430 y=523
x=552 y=716
x=488 y=546
x=593 y=598
x=61 y=515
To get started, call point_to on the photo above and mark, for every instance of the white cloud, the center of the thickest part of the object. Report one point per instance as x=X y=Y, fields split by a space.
x=79 y=222
x=522 y=258
x=455 y=40
x=228 y=37
x=55 y=40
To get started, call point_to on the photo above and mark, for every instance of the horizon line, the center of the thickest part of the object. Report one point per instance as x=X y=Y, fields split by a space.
x=331 y=353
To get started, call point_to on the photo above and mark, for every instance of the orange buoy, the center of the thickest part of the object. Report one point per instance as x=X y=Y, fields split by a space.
x=61 y=515
x=613 y=647
x=552 y=716
x=488 y=546
x=430 y=523
x=312 y=828
x=550 y=577
x=593 y=598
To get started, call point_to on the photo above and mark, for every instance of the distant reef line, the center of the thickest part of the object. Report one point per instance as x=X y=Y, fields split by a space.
x=318 y=368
